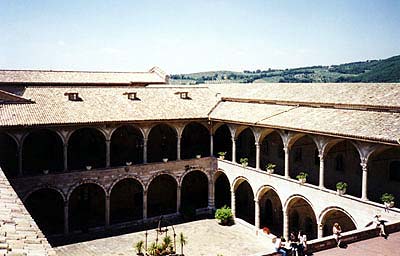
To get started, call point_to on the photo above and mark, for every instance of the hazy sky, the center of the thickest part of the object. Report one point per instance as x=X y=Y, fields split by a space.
x=189 y=36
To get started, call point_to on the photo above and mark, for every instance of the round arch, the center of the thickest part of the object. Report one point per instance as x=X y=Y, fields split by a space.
x=333 y=214
x=9 y=154
x=162 y=195
x=86 y=147
x=222 y=190
x=126 y=200
x=245 y=146
x=271 y=214
x=194 y=190
x=126 y=146
x=222 y=141
x=42 y=151
x=301 y=215
x=271 y=151
x=195 y=140
x=244 y=202
x=87 y=206
x=162 y=143
x=46 y=206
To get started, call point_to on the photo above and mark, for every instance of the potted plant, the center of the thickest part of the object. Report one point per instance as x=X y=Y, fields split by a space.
x=270 y=168
x=88 y=167
x=128 y=163
x=341 y=187
x=302 y=177
x=198 y=156
x=222 y=155
x=244 y=161
x=224 y=215
x=165 y=159
x=46 y=171
x=139 y=247
x=388 y=200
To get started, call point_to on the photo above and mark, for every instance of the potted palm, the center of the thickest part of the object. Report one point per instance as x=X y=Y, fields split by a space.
x=139 y=248
x=341 y=187
x=302 y=177
x=224 y=215
x=182 y=241
x=244 y=161
x=388 y=200
x=221 y=155
x=270 y=168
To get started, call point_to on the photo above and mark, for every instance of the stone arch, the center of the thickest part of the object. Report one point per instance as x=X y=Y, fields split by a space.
x=128 y=176
x=244 y=200
x=302 y=158
x=222 y=191
x=86 y=147
x=193 y=170
x=9 y=154
x=46 y=206
x=162 y=195
x=47 y=186
x=342 y=163
x=86 y=204
x=333 y=214
x=301 y=215
x=126 y=200
x=271 y=151
x=194 y=190
x=195 y=140
x=166 y=172
x=162 y=143
x=42 y=149
x=222 y=141
x=82 y=182
x=271 y=214
x=126 y=146
x=245 y=146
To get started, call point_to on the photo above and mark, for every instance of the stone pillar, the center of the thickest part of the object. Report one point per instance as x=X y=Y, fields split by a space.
x=364 y=186
x=321 y=171
x=211 y=196
x=145 y=204
x=178 y=148
x=233 y=150
x=211 y=144
x=257 y=213
x=285 y=224
x=320 y=230
x=66 y=218
x=287 y=151
x=107 y=213
x=65 y=157
x=233 y=203
x=108 y=142
x=20 y=172
x=178 y=199
x=257 y=156
x=145 y=150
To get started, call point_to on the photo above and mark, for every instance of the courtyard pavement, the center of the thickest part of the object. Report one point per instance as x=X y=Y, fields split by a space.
x=204 y=238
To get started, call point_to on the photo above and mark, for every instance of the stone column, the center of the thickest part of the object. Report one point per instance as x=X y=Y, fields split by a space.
x=65 y=157
x=145 y=150
x=145 y=204
x=257 y=213
x=178 y=199
x=178 y=148
x=233 y=203
x=108 y=142
x=107 y=213
x=287 y=151
x=257 y=156
x=211 y=144
x=211 y=198
x=20 y=172
x=285 y=224
x=364 y=186
x=321 y=171
x=66 y=218
x=320 y=230
x=233 y=150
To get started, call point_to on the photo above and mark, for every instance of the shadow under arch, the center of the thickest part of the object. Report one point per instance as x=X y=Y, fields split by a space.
x=222 y=190
x=271 y=214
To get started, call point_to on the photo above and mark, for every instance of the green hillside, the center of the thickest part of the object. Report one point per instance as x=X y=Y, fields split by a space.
x=384 y=71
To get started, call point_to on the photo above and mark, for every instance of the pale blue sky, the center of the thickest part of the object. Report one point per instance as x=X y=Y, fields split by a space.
x=189 y=36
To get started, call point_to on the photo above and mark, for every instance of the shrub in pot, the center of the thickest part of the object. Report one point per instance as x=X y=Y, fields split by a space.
x=244 y=161
x=341 y=187
x=224 y=215
x=388 y=199
x=302 y=177
x=221 y=155
x=270 y=168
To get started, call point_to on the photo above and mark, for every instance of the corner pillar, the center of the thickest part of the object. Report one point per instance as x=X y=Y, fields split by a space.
x=145 y=204
x=211 y=144
x=211 y=196
x=108 y=143
x=287 y=151
x=178 y=148
x=364 y=186
x=178 y=199
x=321 y=171
x=145 y=150
x=66 y=218
x=233 y=150
x=107 y=213
x=65 y=157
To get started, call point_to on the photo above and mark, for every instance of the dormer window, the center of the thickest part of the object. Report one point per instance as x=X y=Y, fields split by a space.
x=131 y=95
x=73 y=96
x=184 y=95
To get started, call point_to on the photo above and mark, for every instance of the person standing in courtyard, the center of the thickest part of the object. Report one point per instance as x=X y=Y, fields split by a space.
x=337 y=230
x=381 y=225
x=302 y=243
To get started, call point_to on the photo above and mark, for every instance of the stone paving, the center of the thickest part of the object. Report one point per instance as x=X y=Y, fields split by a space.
x=205 y=238
x=371 y=247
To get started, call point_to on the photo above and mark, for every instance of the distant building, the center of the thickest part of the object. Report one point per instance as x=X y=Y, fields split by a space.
x=88 y=151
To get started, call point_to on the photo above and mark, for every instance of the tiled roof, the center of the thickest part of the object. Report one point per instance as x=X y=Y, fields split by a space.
x=106 y=104
x=372 y=125
x=6 y=97
x=371 y=94
x=155 y=75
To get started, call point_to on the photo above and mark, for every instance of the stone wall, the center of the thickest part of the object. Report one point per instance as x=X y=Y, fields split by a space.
x=19 y=234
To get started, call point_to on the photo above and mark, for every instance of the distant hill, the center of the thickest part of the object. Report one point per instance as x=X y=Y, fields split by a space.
x=370 y=71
